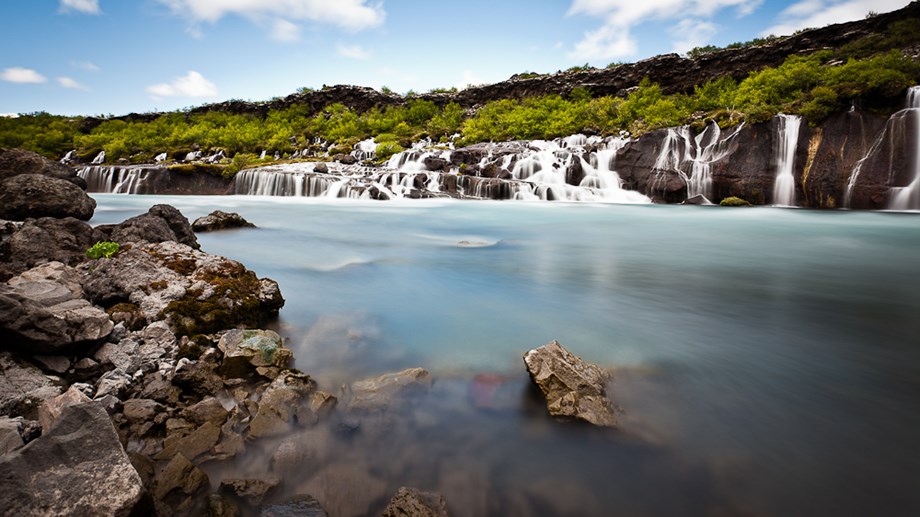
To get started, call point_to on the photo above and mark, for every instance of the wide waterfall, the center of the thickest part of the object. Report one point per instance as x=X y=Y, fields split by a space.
x=908 y=198
x=788 y=133
x=115 y=179
x=691 y=158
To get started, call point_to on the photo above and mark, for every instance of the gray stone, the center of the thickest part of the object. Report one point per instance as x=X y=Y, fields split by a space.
x=192 y=446
x=141 y=410
x=410 y=502
x=10 y=434
x=252 y=491
x=46 y=239
x=23 y=387
x=298 y=506
x=346 y=489
x=245 y=350
x=220 y=220
x=280 y=403
x=572 y=388
x=53 y=363
x=51 y=409
x=382 y=392
x=32 y=196
x=207 y=410
x=78 y=467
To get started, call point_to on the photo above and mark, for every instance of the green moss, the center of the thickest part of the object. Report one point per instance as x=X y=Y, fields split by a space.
x=734 y=201
x=211 y=169
x=102 y=249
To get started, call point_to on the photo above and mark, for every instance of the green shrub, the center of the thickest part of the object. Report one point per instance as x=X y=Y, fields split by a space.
x=734 y=201
x=102 y=249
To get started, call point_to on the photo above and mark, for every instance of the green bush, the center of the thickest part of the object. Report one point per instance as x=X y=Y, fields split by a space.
x=734 y=201
x=102 y=249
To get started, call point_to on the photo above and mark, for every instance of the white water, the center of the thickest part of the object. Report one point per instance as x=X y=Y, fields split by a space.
x=116 y=180
x=908 y=197
x=788 y=132
x=691 y=159
x=99 y=159
x=160 y=158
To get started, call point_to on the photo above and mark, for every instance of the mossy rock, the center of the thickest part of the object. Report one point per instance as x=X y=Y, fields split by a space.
x=734 y=201
x=246 y=350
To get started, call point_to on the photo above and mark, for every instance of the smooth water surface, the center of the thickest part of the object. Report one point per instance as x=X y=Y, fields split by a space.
x=768 y=360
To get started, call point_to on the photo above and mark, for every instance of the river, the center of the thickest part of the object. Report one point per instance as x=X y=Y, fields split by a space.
x=767 y=360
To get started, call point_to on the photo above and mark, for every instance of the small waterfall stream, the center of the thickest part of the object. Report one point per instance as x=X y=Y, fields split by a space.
x=788 y=132
x=908 y=197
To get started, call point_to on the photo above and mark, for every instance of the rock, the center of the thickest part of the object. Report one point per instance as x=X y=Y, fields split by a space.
x=219 y=220
x=345 y=159
x=410 y=502
x=298 y=506
x=51 y=409
x=192 y=446
x=78 y=467
x=43 y=240
x=45 y=317
x=208 y=409
x=697 y=200
x=321 y=168
x=306 y=449
x=572 y=388
x=280 y=403
x=219 y=506
x=252 y=491
x=199 y=378
x=23 y=387
x=177 y=486
x=14 y=162
x=10 y=434
x=346 y=489
x=161 y=223
x=53 y=363
x=139 y=411
x=31 y=196
x=380 y=393
x=436 y=164
x=245 y=350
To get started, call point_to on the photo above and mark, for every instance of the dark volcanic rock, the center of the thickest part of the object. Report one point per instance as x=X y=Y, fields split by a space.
x=220 y=220
x=43 y=240
x=78 y=467
x=34 y=195
x=161 y=223
x=572 y=388
x=14 y=162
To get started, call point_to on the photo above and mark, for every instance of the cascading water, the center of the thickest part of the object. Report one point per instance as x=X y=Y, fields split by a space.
x=908 y=197
x=99 y=159
x=116 y=180
x=784 y=187
x=691 y=158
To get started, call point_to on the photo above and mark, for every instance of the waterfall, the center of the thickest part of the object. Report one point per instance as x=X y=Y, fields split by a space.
x=784 y=188
x=160 y=158
x=99 y=159
x=710 y=147
x=908 y=197
x=116 y=180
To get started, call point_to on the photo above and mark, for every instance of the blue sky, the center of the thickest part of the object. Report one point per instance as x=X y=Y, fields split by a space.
x=91 y=57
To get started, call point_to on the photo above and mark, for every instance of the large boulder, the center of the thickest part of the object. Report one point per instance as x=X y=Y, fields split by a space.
x=23 y=387
x=78 y=467
x=42 y=311
x=44 y=240
x=33 y=195
x=285 y=399
x=160 y=224
x=573 y=388
x=14 y=162
x=220 y=220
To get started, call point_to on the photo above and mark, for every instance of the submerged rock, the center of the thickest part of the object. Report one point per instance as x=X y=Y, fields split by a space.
x=410 y=502
x=298 y=506
x=380 y=393
x=572 y=388
x=78 y=467
x=219 y=220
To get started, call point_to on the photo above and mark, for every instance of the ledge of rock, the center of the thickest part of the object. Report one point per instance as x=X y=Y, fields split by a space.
x=573 y=388
x=219 y=220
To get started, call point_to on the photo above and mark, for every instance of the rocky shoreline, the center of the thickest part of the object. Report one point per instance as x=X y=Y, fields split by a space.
x=127 y=374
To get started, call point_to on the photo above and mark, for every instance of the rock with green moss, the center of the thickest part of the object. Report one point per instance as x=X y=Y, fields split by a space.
x=246 y=350
x=734 y=201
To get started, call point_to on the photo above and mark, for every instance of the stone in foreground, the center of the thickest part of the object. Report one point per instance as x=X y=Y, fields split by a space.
x=410 y=502
x=572 y=388
x=78 y=467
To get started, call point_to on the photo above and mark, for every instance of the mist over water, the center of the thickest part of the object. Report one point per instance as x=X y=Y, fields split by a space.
x=768 y=360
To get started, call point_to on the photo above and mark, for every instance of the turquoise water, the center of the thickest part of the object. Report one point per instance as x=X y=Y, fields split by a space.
x=768 y=360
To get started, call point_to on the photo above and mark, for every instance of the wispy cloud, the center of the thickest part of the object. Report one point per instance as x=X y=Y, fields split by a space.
x=469 y=79
x=689 y=34
x=71 y=84
x=351 y=15
x=352 y=51
x=83 y=6
x=613 y=39
x=85 y=65
x=819 y=13
x=283 y=30
x=192 y=84
x=22 y=76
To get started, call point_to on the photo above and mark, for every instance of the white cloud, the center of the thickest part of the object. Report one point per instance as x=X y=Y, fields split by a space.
x=22 y=76
x=613 y=38
x=72 y=84
x=689 y=34
x=352 y=51
x=353 y=15
x=83 y=6
x=9 y=115
x=820 y=13
x=283 y=30
x=469 y=79
x=85 y=65
x=192 y=84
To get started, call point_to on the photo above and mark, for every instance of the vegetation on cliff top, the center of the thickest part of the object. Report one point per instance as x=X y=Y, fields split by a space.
x=815 y=86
